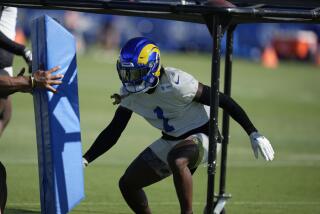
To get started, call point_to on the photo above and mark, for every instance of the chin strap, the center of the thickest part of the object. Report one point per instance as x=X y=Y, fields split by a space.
x=151 y=87
x=155 y=85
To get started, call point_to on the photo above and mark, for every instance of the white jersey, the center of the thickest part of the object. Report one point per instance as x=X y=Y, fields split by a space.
x=8 y=21
x=170 y=107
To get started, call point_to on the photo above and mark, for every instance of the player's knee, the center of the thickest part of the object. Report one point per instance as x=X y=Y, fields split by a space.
x=183 y=156
x=123 y=185
x=176 y=163
x=3 y=171
x=5 y=110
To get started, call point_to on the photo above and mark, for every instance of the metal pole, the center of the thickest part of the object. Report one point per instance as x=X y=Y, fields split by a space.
x=214 y=104
x=225 y=117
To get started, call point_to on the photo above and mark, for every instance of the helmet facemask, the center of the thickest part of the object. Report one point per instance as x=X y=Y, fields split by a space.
x=139 y=65
x=137 y=79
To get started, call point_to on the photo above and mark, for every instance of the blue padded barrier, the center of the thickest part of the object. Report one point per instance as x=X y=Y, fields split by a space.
x=57 y=119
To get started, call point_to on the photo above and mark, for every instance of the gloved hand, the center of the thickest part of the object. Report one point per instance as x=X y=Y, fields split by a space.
x=27 y=56
x=85 y=163
x=261 y=144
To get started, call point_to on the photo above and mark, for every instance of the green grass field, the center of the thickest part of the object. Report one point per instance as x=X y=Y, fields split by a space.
x=284 y=104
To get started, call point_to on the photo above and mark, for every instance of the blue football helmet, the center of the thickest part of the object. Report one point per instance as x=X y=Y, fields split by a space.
x=139 y=65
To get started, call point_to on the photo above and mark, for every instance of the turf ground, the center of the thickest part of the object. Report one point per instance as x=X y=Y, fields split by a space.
x=284 y=104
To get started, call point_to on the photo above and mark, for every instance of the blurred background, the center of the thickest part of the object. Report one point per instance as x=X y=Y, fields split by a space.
x=265 y=42
x=283 y=102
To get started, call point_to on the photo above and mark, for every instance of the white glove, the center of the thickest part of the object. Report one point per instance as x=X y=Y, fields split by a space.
x=27 y=55
x=85 y=163
x=262 y=144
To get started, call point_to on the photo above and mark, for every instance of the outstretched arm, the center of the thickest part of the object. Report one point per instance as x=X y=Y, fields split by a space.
x=258 y=142
x=109 y=136
x=39 y=79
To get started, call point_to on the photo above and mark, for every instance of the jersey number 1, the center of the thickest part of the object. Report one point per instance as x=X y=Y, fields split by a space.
x=159 y=112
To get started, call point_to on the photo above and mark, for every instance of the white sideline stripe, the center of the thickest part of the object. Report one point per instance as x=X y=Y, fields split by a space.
x=297 y=203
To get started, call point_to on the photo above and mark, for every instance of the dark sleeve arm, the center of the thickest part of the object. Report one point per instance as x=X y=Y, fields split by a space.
x=110 y=135
x=228 y=104
x=10 y=45
x=10 y=85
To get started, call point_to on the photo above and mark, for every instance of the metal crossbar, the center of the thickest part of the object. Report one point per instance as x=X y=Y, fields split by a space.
x=191 y=12
x=280 y=3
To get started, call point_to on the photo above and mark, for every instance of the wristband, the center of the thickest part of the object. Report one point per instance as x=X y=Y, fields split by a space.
x=32 y=82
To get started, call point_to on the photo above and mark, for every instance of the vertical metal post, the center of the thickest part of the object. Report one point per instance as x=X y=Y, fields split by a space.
x=225 y=117
x=214 y=104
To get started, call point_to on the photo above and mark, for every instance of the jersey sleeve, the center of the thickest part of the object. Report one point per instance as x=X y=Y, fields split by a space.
x=126 y=99
x=185 y=85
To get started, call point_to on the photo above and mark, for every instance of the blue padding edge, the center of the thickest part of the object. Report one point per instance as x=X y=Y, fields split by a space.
x=57 y=119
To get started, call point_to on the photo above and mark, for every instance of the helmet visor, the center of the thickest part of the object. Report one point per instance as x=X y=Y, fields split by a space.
x=130 y=74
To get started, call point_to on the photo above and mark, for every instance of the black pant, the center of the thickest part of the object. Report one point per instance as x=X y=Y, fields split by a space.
x=3 y=187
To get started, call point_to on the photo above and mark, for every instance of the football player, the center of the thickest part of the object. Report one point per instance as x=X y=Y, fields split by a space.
x=8 y=48
x=8 y=17
x=177 y=104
